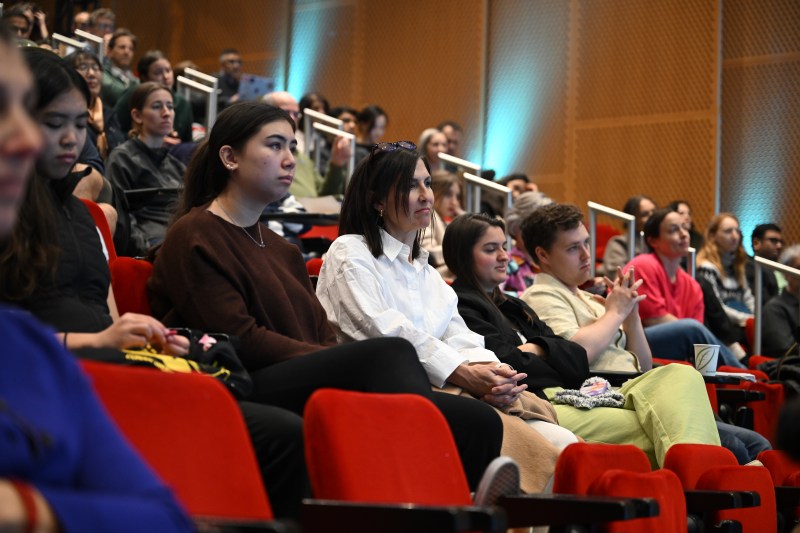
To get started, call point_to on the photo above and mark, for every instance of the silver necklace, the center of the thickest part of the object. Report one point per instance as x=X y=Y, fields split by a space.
x=260 y=237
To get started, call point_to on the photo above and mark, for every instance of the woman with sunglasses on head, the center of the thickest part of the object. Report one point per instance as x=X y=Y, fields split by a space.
x=219 y=269
x=64 y=466
x=376 y=282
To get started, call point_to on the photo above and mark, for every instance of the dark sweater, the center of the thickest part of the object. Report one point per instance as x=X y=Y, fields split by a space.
x=781 y=317
x=210 y=276
x=77 y=299
x=565 y=365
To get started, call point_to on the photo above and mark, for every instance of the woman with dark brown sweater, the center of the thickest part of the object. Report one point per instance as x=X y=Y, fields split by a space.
x=221 y=270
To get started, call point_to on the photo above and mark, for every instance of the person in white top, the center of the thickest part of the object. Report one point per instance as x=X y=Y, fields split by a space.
x=376 y=282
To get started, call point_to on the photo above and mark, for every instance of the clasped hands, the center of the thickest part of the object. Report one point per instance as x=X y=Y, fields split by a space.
x=494 y=383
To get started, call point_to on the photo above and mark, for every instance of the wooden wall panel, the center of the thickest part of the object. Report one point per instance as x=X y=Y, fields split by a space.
x=761 y=114
x=422 y=62
x=645 y=102
x=526 y=112
x=199 y=30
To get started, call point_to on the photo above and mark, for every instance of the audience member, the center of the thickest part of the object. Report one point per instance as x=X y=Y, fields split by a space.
x=53 y=265
x=220 y=270
x=17 y=20
x=102 y=22
x=617 y=247
x=673 y=311
x=154 y=66
x=308 y=183
x=767 y=242
x=80 y=21
x=446 y=205
x=371 y=124
x=721 y=273
x=432 y=142
x=104 y=125
x=229 y=76
x=685 y=210
x=142 y=162
x=474 y=248
x=348 y=117
x=65 y=465
x=454 y=133
x=518 y=183
x=118 y=75
x=780 y=321
x=57 y=240
x=521 y=268
x=28 y=20
x=559 y=243
x=376 y=282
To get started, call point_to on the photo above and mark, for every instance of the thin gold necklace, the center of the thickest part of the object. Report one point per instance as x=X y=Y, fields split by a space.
x=261 y=238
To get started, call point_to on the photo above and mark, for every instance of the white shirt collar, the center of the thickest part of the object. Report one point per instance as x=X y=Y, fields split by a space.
x=393 y=248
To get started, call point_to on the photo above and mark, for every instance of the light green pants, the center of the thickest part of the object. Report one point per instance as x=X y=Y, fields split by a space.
x=665 y=406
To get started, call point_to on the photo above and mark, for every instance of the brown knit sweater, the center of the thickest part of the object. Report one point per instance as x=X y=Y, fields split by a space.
x=210 y=276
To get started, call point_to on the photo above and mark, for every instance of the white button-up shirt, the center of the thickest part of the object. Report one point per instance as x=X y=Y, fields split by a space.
x=367 y=297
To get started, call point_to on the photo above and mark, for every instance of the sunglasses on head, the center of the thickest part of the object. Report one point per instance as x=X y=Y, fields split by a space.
x=391 y=147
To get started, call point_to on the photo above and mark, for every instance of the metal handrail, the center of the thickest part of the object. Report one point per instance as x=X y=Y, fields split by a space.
x=761 y=263
x=211 y=106
x=97 y=41
x=63 y=39
x=471 y=204
x=309 y=115
x=630 y=220
x=691 y=262
x=211 y=95
x=351 y=165
x=479 y=183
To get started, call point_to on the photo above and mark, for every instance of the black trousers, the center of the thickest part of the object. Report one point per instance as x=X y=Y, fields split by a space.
x=386 y=365
x=277 y=437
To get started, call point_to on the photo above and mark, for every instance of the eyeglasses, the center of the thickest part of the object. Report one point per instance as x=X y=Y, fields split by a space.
x=391 y=147
x=84 y=68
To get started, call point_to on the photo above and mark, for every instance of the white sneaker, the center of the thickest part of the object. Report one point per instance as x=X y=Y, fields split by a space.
x=500 y=479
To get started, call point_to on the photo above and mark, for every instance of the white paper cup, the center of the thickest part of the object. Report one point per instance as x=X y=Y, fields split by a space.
x=705 y=358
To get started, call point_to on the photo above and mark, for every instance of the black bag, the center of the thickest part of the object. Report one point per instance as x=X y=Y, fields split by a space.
x=210 y=354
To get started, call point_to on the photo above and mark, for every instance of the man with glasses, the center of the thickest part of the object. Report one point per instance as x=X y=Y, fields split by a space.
x=767 y=241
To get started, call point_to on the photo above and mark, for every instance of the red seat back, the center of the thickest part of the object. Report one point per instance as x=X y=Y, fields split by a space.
x=781 y=467
x=129 y=280
x=690 y=461
x=190 y=430
x=604 y=233
x=381 y=448
x=580 y=464
x=102 y=224
x=662 y=485
x=750 y=478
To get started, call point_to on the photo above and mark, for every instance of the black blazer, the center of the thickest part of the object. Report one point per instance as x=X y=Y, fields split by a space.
x=565 y=365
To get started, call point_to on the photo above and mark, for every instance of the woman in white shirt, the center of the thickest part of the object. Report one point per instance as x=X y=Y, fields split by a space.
x=376 y=282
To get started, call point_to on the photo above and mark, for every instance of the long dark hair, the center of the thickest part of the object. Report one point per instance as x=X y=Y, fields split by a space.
x=374 y=179
x=32 y=253
x=459 y=241
x=206 y=176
